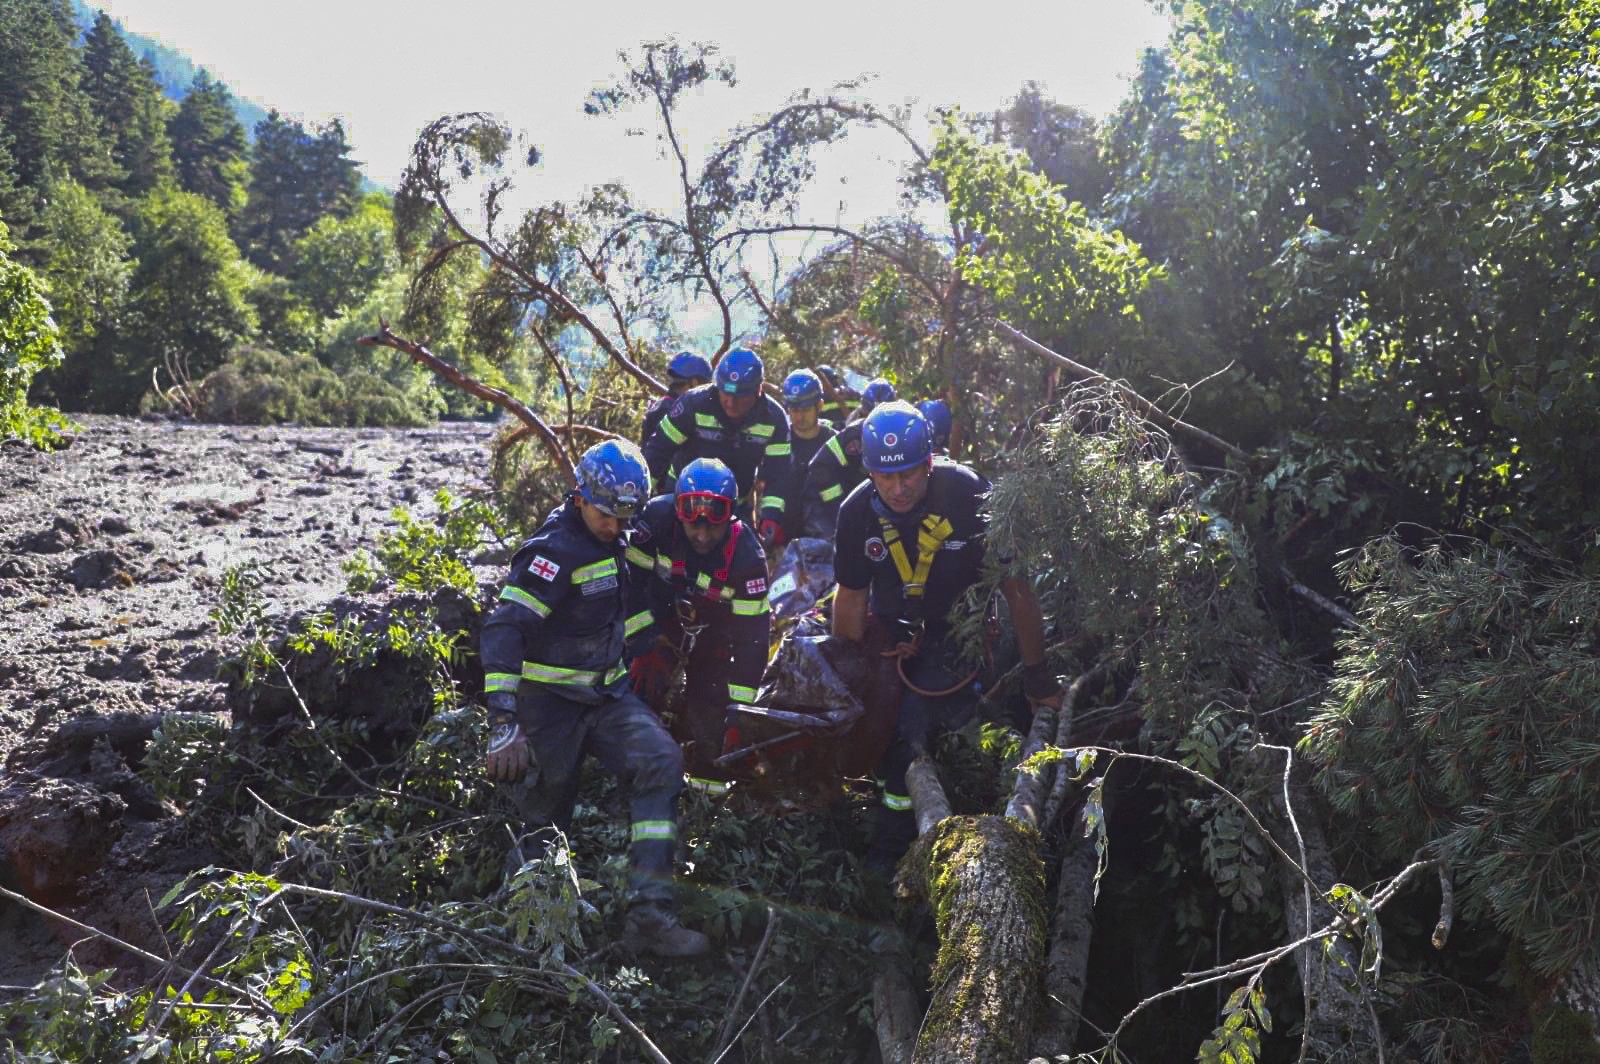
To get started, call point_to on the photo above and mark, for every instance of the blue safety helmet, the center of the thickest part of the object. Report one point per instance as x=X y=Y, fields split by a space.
x=687 y=365
x=739 y=372
x=706 y=491
x=895 y=437
x=937 y=411
x=613 y=477
x=707 y=476
x=802 y=388
x=877 y=391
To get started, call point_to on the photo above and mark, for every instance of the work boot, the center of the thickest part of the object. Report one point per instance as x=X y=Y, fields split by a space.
x=652 y=929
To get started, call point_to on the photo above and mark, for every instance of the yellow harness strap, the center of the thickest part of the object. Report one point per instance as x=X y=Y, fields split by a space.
x=931 y=535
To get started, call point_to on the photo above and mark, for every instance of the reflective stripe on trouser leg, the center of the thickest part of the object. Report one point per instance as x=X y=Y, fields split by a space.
x=630 y=740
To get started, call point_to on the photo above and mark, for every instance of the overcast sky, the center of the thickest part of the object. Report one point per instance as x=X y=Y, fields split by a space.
x=389 y=68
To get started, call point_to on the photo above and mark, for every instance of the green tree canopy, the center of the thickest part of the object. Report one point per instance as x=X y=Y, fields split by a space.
x=297 y=177
x=131 y=108
x=209 y=148
x=188 y=296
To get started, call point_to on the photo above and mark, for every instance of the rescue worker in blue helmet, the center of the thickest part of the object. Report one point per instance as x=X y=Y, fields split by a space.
x=557 y=687
x=732 y=421
x=835 y=470
x=937 y=411
x=686 y=370
x=837 y=400
x=911 y=540
x=808 y=434
x=702 y=580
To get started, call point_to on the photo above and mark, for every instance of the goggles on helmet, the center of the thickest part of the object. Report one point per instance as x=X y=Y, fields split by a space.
x=612 y=502
x=695 y=506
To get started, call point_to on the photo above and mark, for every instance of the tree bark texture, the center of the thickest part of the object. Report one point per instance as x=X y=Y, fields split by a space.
x=1067 y=961
x=894 y=1010
x=1339 y=1025
x=986 y=886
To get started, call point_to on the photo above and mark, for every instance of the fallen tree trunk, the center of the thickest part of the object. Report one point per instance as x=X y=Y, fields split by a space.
x=985 y=883
x=986 y=886
x=1067 y=961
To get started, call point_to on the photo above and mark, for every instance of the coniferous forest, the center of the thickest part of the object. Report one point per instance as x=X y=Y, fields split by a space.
x=1284 y=375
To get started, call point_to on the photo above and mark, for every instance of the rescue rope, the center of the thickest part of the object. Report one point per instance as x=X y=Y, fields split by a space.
x=901 y=651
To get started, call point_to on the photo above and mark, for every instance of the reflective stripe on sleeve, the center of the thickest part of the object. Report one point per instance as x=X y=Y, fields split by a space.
x=654 y=830
x=772 y=502
x=522 y=598
x=500 y=681
x=831 y=492
x=672 y=431
x=636 y=623
x=899 y=803
x=746 y=695
x=640 y=558
x=715 y=788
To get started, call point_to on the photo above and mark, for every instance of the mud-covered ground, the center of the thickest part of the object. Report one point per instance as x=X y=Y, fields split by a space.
x=112 y=553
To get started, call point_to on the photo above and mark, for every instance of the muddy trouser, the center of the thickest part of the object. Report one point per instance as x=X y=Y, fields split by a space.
x=629 y=740
x=921 y=721
x=703 y=721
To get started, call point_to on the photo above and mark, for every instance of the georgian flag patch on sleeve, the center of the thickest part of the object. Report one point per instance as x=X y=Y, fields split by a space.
x=756 y=586
x=543 y=567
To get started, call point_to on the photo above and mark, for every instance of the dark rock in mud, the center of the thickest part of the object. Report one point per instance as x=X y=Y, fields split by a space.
x=99 y=569
x=115 y=525
x=387 y=693
x=53 y=832
x=64 y=534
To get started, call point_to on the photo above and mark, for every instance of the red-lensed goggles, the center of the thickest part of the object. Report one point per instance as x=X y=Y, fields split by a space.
x=696 y=506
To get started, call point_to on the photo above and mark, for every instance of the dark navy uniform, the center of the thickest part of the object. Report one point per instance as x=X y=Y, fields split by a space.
x=556 y=639
x=803 y=451
x=832 y=474
x=712 y=606
x=757 y=447
x=918 y=566
x=653 y=416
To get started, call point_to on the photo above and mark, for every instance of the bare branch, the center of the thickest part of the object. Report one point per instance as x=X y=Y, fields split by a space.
x=472 y=386
x=1151 y=410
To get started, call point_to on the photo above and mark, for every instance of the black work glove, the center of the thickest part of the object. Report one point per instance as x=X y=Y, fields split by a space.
x=509 y=755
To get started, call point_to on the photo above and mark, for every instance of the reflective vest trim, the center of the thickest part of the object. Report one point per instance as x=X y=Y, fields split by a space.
x=750 y=607
x=525 y=600
x=586 y=573
x=779 y=448
x=741 y=694
x=653 y=830
x=831 y=492
x=637 y=623
x=558 y=674
x=672 y=431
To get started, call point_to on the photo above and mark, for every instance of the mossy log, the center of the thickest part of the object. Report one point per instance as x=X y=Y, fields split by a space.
x=986 y=886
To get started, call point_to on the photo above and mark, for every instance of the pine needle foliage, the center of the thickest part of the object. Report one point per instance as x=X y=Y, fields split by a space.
x=1462 y=721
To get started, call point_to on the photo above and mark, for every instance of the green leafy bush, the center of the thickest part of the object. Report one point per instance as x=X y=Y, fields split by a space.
x=28 y=343
x=263 y=387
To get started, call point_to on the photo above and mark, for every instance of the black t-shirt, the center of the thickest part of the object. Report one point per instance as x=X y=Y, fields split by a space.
x=865 y=555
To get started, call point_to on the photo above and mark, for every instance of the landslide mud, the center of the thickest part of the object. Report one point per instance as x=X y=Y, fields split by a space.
x=112 y=554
